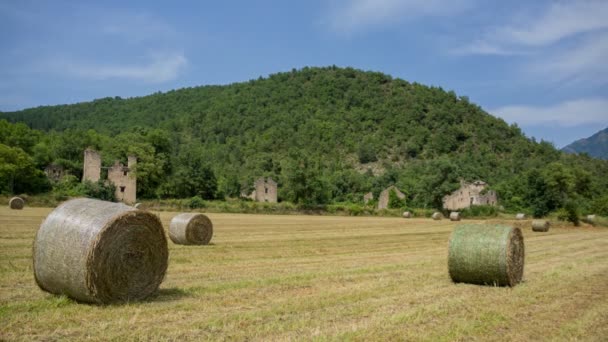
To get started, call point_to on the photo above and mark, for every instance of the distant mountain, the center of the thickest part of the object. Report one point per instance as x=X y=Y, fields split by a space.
x=596 y=145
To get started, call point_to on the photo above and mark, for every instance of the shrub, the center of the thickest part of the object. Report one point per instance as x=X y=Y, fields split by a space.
x=196 y=202
x=480 y=211
x=570 y=213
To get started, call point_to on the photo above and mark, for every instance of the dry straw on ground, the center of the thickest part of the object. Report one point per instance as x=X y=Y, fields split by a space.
x=16 y=203
x=520 y=216
x=486 y=255
x=437 y=216
x=191 y=229
x=100 y=252
x=454 y=216
x=540 y=225
x=407 y=214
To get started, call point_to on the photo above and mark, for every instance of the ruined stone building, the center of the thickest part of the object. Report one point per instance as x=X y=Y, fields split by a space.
x=384 y=196
x=470 y=194
x=264 y=190
x=55 y=172
x=118 y=174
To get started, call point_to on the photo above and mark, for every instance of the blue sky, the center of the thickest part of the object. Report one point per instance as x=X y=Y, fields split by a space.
x=542 y=64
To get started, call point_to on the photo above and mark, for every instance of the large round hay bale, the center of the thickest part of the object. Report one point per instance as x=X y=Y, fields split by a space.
x=407 y=214
x=100 y=252
x=454 y=216
x=437 y=216
x=591 y=219
x=191 y=229
x=540 y=225
x=486 y=255
x=16 y=203
x=520 y=216
x=138 y=206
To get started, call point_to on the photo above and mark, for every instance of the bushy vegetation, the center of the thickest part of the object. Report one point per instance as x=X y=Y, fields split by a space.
x=326 y=135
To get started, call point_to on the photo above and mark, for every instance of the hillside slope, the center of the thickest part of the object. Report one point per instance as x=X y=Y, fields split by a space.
x=595 y=146
x=325 y=134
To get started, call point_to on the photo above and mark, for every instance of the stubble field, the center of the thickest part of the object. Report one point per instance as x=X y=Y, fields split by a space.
x=321 y=278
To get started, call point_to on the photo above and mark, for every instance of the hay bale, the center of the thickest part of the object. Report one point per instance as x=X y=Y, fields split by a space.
x=540 y=225
x=138 y=206
x=100 y=252
x=591 y=219
x=16 y=203
x=191 y=229
x=486 y=255
x=520 y=216
x=454 y=216
x=407 y=214
x=437 y=216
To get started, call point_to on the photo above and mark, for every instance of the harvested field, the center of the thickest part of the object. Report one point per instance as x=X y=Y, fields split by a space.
x=330 y=278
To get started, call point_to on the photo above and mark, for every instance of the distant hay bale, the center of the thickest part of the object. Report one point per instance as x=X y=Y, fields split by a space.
x=16 y=203
x=437 y=216
x=454 y=216
x=407 y=214
x=138 y=206
x=486 y=255
x=520 y=216
x=540 y=225
x=591 y=219
x=191 y=229
x=100 y=252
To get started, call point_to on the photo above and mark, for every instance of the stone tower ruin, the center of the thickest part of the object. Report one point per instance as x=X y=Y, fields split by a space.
x=120 y=175
x=92 y=166
x=264 y=190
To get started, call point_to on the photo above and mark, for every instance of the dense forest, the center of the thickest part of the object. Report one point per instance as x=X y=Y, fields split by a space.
x=326 y=135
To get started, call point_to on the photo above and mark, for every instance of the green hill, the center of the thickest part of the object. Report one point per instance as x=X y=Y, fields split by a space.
x=326 y=134
x=595 y=146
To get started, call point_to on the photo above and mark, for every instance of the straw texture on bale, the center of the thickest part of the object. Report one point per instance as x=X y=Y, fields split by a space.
x=454 y=216
x=407 y=214
x=486 y=255
x=100 y=252
x=437 y=216
x=540 y=225
x=16 y=203
x=520 y=216
x=138 y=206
x=191 y=229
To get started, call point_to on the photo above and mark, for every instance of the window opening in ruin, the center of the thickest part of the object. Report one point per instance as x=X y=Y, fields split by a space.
x=124 y=173
x=265 y=190
x=122 y=189
x=472 y=200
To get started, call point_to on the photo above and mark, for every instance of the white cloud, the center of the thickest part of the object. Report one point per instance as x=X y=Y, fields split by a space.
x=569 y=113
x=559 y=21
x=160 y=69
x=586 y=62
x=349 y=16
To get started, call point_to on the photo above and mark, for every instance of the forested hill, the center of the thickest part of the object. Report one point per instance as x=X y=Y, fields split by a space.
x=326 y=134
x=596 y=145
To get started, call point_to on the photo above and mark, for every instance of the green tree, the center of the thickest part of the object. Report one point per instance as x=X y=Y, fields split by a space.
x=303 y=182
x=18 y=173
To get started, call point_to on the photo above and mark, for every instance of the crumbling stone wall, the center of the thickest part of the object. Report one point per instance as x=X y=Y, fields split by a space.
x=264 y=190
x=470 y=194
x=121 y=176
x=384 y=196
